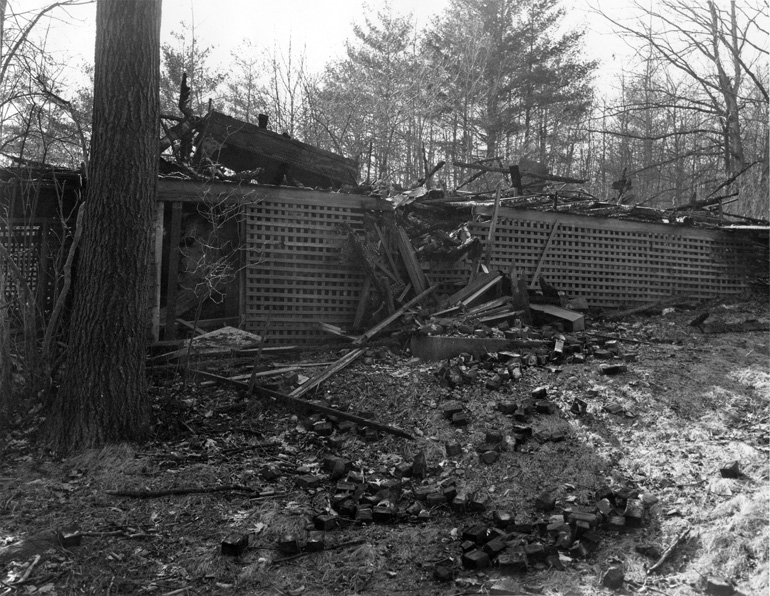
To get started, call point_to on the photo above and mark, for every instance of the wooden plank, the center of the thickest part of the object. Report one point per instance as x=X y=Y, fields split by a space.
x=362 y=301
x=471 y=288
x=483 y=289
x=343 y=362
x=492 y=227
x=574 y=320
x=538 y=269
x=172 y=279
x=413 y=267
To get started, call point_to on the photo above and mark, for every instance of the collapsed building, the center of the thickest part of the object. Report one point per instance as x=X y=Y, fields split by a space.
x=263 y=232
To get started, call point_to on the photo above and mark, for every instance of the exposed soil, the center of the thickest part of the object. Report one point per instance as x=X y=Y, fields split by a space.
x=694 y=400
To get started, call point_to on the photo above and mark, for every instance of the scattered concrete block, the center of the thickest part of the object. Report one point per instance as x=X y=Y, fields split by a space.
x=604 y=507
x=383 y=513
x=539 y=393
x=451 y=408
x=535 y=551
x=544 y=406
x=512 y=561
x=460 y=419
x=545 y=501
x=589 y=518
x=69 y=537
x=371 y=434
x=489 y=457
x=507 y=408
x=477 y=502
x=522 y=430
x=444 y=573
x=558 y=435
x=614 y=409
x=348 y=508
x=616 y=523
x=494 y=382
x=494 y=548
x=325 y=522
x=347 y=426
x=493 y=436
x=453 y=449
x=450 y=492
x=719 y=586
x=323 y=428
x=613 y=578
x=436 y=499
x=288 y=544
x=732 y=470
x=477 y=533
x=364 y=515
x=460 y=503
x=235 y=544
x=634 y=513
x=308 y=482
x=316 y=541
x=613 y=369
x=502 y=519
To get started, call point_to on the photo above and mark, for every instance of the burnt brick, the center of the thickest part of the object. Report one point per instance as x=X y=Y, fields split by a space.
x=435 y=499
x=507 y=407
x=308 y=481
x=489 y=457
x=288 y=544
x=325 y=522
x=494 y=547
x=512 y=562
x=613 y=578
x=477 y=533
x=453 y=449
x=460 y=419
x=535 y=551
x=613 y=369
x=502 y=519
x=732 y=470
x=545 y=501
x=315 y=541
x=543 y=406
x=235 y=544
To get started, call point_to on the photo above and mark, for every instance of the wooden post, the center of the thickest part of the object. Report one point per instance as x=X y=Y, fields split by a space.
x=536 y=275
x=172 y=278
x=493 y=227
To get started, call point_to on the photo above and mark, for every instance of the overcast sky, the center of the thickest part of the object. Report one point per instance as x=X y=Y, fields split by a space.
x=321 y=27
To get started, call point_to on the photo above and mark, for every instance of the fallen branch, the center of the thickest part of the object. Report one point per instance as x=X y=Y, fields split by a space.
x=682 y=537
x=333 y=547
x=307 y=405
x=151 y=494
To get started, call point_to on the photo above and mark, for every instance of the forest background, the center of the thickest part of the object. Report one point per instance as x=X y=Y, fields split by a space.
x=670 y=95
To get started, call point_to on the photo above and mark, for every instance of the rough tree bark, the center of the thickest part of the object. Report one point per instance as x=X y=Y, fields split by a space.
x=103 y=397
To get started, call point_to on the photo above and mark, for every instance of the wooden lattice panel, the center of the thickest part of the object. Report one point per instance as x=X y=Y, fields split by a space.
x=33 y=245
x=299 y=271
x=613 y=262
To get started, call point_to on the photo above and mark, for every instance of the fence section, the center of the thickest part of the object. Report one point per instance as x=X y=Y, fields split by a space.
x=34 y=246
x=613 y=262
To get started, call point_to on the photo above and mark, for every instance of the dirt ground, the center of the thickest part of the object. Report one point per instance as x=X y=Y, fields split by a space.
x=694 y=399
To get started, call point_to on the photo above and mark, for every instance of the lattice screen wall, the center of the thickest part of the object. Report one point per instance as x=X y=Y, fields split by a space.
x=298 y=273
x=612 y=262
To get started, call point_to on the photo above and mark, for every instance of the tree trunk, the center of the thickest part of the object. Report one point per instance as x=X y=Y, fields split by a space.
x=103 y=397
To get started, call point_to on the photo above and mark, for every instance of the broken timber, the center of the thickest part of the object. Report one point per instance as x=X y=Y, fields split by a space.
x=380 y=326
